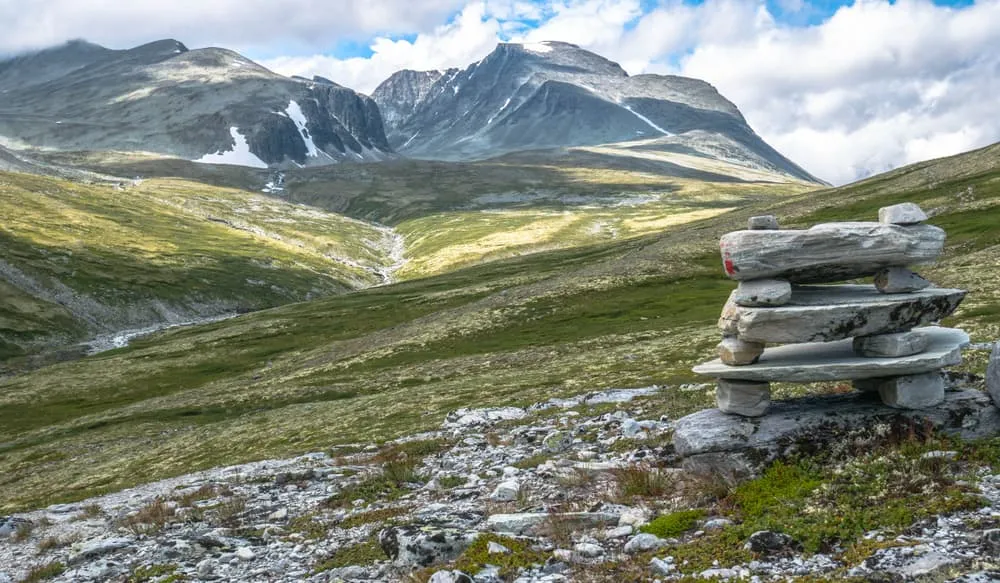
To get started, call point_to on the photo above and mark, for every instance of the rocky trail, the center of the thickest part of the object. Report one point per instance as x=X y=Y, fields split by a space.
x=567 y=490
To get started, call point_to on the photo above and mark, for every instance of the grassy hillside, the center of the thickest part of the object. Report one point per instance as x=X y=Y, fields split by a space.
x=392 y=360
x=454 y=215
x=86 y=258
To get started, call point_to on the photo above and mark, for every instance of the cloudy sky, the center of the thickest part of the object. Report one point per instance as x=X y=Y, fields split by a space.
x=845 y=89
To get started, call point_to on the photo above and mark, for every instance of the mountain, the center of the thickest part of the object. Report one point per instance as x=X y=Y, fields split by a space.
x=553 y=94
x=210 y=104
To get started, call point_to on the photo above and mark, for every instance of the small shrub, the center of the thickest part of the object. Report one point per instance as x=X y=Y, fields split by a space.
x=449 y=482
x=673 y=524
x=477 y=556
x=89 y=511
x=51 y=542
x=641 y=481
x=308 y=526
x=43 y=572
x=380 y=516
x=149 y=519
x=206 y=492
x=164 y=573
x=402 y=471
x=23 y=531
x=365 y=553
x=532 y=461
x=230 y=512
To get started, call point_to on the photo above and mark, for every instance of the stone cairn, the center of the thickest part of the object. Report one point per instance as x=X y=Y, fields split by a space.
x=878 y=336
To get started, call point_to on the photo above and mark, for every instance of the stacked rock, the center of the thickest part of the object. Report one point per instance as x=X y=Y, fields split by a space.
x=876 y=336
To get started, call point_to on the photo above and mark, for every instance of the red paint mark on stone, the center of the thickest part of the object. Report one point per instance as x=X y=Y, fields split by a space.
x=730 y=268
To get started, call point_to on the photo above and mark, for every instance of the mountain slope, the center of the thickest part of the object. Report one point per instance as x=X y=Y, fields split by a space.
x=163 y=98
x=554 y=94
x=83 y=260
x=394 y=360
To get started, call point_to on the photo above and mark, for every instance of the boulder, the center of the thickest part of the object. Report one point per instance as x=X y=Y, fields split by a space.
x=506 y=491
x=829 y=361
x=906 y=213
x=422 y=546
x=828 y=252
x=993 y=374
x=643 y=542
x=899 y=280
x=763 y=293
x=769 y=543
x=747 y=398
x=733 y=447
x=891 y=345
x=763 y=223
x=530 y=522
x=736 y=352
x=835 y=312
x=909 y=391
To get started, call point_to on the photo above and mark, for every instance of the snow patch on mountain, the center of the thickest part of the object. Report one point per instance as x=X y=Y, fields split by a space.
x=540 y=48
x=295 y=114
x=240 y=155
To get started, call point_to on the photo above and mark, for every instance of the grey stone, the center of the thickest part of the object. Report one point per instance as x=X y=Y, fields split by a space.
x=899 y=280
x=530 y=522
x=495 y=548
x=747 y=398
x=506 y=491
x=588 y=550
x=643 y=542
x=712 y=442
x=767 y=543
x=557 y=442
x=662 y=567
x=450 y=577
x=829 y=361
x=763 y=223
x=245 y=554
x=422 y=546
x=763 y=292
x=906 y=213
x=835 y=312
x=828 y=252
x=891 y=345
x=736 y=352
x=912 y=391
x=99 y=548
x=993 y=374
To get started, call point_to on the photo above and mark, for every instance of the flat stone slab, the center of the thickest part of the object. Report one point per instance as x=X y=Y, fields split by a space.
x=734 y=447
x=830 y=361
x=834 y=312
x=828 y=252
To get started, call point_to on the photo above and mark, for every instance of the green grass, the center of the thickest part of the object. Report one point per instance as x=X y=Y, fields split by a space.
x=110 y=259
x=673 y=524
x=390 y=361
x=362 y=554
x=477 y=556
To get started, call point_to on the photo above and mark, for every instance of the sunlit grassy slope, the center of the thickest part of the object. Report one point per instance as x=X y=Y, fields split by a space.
x=85 y=258
x=454 y=214
x=392 y=360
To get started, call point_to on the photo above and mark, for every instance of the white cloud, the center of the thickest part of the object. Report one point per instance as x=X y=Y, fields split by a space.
x=242 y=24
x=469 y=37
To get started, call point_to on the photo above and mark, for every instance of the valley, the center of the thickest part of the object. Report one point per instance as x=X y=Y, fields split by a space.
x=393 y=360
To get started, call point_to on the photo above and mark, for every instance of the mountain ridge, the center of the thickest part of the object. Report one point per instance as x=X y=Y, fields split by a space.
x=553 y=94
x=165 y=98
